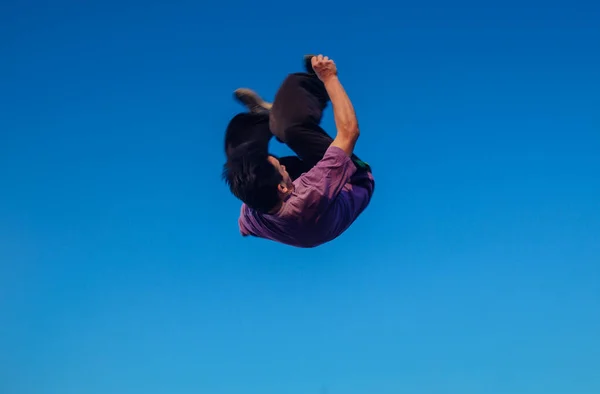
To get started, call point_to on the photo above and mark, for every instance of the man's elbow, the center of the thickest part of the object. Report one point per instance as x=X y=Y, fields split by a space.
x=351 y=130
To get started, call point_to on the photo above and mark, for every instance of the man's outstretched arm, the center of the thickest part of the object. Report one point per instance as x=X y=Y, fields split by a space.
x=343 y=110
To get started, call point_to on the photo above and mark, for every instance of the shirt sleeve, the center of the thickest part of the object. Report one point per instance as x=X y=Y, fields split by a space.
x=328 y=177
x=244 y=231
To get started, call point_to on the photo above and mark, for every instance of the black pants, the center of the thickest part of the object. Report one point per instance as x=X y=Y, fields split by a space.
x=295 y=119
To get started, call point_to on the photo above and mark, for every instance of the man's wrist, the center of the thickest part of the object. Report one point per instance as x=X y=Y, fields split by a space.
x=330 y=80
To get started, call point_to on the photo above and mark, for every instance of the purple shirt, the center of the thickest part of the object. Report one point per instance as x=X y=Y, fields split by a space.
x=326 y=200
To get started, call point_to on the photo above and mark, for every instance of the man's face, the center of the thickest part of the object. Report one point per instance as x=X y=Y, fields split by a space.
x=286 y=183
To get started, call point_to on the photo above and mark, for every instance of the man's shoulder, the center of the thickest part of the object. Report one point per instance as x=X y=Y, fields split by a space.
x=334 y=159
x=334 y=155
x=335 y=164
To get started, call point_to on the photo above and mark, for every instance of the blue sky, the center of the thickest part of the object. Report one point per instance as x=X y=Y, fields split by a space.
x=474 y=270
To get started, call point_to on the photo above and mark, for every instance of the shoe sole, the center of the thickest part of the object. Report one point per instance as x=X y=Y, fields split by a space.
x=254 y=97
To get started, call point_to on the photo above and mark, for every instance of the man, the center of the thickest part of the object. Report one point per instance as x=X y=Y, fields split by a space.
x=308 y=199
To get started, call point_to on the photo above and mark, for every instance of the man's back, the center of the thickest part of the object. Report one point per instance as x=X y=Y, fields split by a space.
x=325 y=202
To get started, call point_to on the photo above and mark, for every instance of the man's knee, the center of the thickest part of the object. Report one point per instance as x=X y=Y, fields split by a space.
x=295 y=83
x=241 y=121
x=297 y=77
x=247 y=128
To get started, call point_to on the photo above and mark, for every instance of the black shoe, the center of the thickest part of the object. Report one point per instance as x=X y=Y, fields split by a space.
x=251 y=100
x=308 y=64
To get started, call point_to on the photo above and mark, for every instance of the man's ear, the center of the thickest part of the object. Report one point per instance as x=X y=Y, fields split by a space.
x=282 y=188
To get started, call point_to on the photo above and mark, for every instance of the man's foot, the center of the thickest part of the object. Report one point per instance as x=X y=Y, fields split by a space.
x=251 y=100
x=308 y=64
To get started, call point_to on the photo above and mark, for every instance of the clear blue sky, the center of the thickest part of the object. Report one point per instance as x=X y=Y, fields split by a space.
x=476 y=269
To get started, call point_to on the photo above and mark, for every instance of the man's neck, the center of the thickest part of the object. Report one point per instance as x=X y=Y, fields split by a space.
x=279 y=205
x=277 y=208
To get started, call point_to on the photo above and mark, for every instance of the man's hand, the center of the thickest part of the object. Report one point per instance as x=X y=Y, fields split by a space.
x=324 y=67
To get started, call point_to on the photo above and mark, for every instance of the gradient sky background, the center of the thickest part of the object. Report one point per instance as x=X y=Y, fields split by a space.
x=476 y=269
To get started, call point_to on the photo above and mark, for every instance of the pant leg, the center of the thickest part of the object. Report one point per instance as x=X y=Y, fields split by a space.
x=296 y=116
x=247 y=133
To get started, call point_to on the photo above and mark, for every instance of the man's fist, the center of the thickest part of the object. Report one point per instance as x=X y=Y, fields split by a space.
x=324 y=67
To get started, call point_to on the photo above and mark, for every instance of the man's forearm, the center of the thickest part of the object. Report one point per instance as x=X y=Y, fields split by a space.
x=343 y=110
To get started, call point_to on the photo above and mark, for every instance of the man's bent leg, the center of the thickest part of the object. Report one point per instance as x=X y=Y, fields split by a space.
x=296 y=116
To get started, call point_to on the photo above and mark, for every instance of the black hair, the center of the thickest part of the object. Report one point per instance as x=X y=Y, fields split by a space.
x=254 y=180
